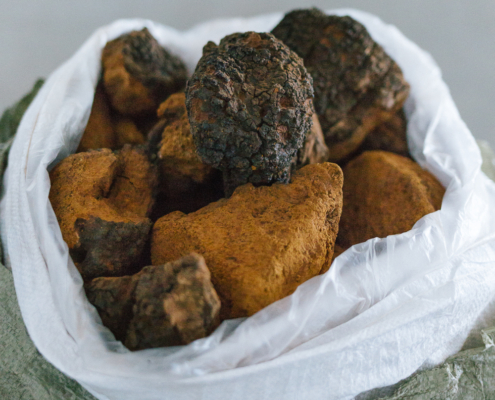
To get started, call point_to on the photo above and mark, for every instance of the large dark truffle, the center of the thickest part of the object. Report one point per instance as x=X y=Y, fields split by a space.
x=249 y=104
x=138 y=74
x=357 y=85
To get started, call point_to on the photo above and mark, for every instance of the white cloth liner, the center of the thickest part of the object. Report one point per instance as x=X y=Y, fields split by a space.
x=385 y=308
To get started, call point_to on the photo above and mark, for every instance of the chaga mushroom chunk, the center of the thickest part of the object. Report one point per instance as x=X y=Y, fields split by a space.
x=166 y=305
x=102 y=200
x=389 y=136
x=249 y=103
x=186 y=183
x=138 y=74
x=357 y=85
x=106 y=129
x=385 y=194
x=262 y=242
x=99 y=132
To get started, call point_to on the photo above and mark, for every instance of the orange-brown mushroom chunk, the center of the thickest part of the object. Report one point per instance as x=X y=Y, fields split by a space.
x=99 y=132
x=385 y=194
x=262 y=242
x=102 y=200
x=186 y=183
x=139 y=74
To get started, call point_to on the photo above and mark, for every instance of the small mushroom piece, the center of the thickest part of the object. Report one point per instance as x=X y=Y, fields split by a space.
x=165 y=305
x=249 y=104
x=99 y=132
x=138 y=74
x=185 y=183
x=385 y=194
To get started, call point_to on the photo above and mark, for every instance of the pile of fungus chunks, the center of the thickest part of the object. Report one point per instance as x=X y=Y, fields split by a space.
x=195 y=199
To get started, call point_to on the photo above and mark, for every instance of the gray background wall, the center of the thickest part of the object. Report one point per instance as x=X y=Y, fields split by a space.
x=37 y=35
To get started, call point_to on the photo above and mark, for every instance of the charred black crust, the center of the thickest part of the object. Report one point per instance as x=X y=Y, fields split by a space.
x=249 y=104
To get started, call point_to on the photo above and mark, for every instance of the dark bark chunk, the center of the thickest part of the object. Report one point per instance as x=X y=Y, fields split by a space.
x=108 y=248
x=113 y=298
x=250 y=105
x=166 y=305
x=357 y=85
x=174 y=304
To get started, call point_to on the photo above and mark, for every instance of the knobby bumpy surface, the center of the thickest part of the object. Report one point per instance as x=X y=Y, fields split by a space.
x=138 y=74
x=357 y=85
x=250 y=105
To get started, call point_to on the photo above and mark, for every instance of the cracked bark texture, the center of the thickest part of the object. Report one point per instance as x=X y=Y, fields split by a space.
x=138 y=74
x=357 y=85
x=249 y=103
x=102 y=200
x=166 y=305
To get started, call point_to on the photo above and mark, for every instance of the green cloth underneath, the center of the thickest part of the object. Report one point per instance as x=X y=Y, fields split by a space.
x=469 y=375
x=24 y=373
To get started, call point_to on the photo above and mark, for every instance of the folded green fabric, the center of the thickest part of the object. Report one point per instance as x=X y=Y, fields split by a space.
x=24 y=373
x=469 y=375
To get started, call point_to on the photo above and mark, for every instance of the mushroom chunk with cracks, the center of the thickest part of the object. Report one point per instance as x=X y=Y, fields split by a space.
x=250 y=106
x=357 y=85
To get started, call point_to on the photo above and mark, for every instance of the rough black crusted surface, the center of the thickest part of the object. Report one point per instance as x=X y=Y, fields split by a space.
x=249 y=104
x=108 y=248
x=357 y=85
